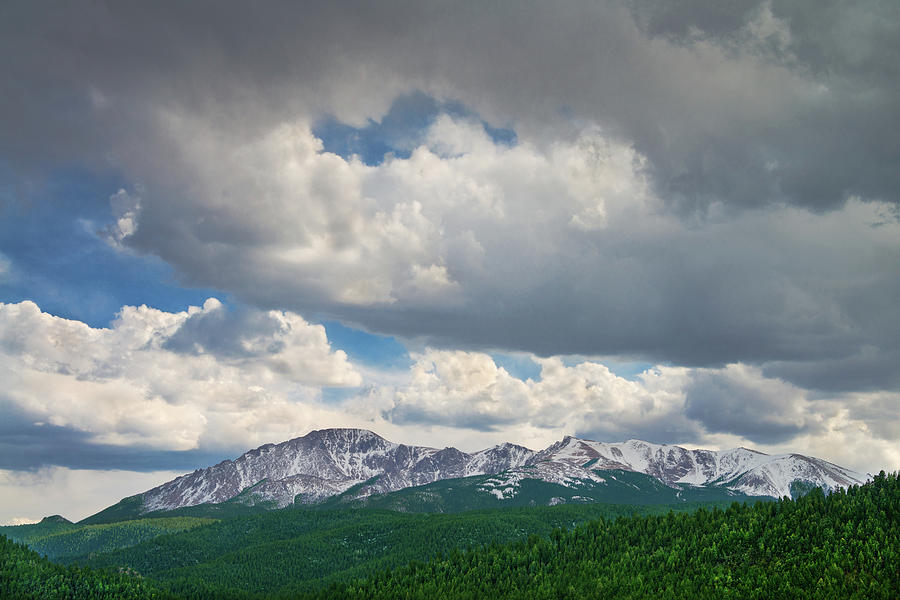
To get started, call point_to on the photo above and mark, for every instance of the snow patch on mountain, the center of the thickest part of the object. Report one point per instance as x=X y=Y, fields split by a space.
x=739 y=469
x=329 y=462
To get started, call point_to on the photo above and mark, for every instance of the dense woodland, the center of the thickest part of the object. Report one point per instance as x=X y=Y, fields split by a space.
x=299 y=550
x=844 y=545
x=25 y=575
x=63 y=542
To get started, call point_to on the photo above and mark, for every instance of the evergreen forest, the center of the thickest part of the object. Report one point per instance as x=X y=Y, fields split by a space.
x=842 y=545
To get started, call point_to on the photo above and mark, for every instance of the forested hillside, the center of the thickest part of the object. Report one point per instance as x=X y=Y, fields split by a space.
x=24 y=575
x=297 y=550
x=487 y=492
x=845 y=545
x=842 y=545
x=60 y=540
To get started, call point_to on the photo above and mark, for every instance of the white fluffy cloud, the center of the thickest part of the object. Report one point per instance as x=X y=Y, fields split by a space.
x=564 y=247
x=469 y=389
x=221 y=382
x=212 y=380
x=668 y=234
x=275 y=215
x=726 y=407
x=131 y=385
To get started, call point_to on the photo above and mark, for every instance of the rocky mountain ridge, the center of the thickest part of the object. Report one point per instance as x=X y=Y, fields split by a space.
x=328 y=462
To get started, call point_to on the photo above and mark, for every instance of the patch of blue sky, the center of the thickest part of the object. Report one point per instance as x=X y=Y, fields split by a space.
x=57 y=259
x=371 y=350
x=522 y=366
x=629 y=370
x=336 y=395
x=53 y=253
x=519 y=365
x=400 y=131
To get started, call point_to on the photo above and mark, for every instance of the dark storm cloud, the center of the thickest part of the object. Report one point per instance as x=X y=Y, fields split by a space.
x=725 y=116
x=875 y=368
x=739 y=108
x=814 y=150
x=25 y=445
x=766 y=412
x=683 y=19
x=696 y=298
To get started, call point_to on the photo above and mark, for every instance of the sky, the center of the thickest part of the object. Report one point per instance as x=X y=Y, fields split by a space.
x=224 y=225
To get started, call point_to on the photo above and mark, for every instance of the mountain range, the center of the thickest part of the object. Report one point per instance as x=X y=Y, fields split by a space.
x=359 y=465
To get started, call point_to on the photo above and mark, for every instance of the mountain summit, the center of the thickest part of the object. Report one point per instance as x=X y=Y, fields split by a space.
x=328 y=462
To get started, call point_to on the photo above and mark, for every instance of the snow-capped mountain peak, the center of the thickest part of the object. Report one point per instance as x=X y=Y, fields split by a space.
x=742 y=469
x=327 y=462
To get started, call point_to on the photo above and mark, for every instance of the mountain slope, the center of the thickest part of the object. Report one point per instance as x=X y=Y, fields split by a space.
x=325 y=463
x=740 y=469
x=357 y=463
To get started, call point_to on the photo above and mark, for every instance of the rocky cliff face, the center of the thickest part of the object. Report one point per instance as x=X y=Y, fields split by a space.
x=328 y=462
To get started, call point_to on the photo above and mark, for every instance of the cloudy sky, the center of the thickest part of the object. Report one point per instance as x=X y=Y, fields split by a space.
x=453 y=224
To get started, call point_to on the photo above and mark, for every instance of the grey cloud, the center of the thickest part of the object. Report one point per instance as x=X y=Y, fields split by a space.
x=819 y=146
x=721 y=119
x=223 y=333
x=419 y=415
x=735 y=292
x=874 y=368
x=756 y=289
x=729 y=114
x=670 y=429
x=682 y=19
x=25 y=445
x=758 y=410
x=879 y=413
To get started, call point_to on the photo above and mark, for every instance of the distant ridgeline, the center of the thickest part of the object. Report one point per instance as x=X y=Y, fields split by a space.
x=845 y=544
x=356 y=467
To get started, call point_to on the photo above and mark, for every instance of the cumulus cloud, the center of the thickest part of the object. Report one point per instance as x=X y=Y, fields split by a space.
x=469 y=390
x=125 y=208
x=141 y=383
x=649 y=208
x=335 y=232
x=713 y=188
x=554 y=250
x=735 y=405
x=167 y=390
